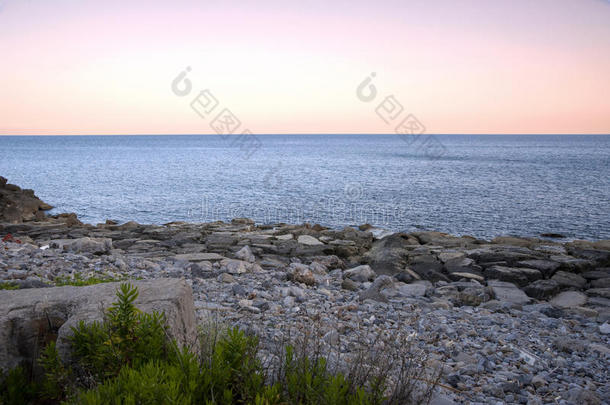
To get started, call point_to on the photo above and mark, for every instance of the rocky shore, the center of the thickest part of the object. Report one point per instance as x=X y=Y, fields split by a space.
x=511 y=320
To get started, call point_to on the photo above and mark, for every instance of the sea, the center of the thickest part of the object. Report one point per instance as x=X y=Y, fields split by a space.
x=479 y=185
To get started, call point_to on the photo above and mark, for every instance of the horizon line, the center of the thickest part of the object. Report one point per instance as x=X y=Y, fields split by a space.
x=320 y=134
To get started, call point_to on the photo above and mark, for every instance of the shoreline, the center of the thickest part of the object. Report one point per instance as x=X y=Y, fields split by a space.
x=511 y=320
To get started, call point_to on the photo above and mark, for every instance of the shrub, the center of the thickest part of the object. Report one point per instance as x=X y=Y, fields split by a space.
x=128 y=358
x=7 y=285
x=126 y=337
x=16 y=387
x=56 y=381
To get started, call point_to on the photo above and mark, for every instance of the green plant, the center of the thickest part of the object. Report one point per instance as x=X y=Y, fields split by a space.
x=152 y=383
x=8 y=285
x=127 y=337
x=78 y=280
x=56 y=381
x=128 y=358
x=233 y=373
x=16 y=387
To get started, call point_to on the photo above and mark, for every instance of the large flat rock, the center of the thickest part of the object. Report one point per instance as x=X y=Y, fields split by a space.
x=29 y=319
x=199 y=257
x=508 y=292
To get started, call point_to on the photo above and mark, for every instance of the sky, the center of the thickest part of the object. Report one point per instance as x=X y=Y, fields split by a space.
x=284 y=66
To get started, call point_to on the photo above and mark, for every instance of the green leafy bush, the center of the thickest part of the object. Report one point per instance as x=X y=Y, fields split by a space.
x=16 y=387
x=128 y=358
x=56 y=381
x=127 y=337
x=7 y=285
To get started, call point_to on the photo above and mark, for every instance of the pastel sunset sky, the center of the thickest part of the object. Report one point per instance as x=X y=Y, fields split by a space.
x=284 y=66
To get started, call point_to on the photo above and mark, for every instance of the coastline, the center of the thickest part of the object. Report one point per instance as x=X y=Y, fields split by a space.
x=516 y=320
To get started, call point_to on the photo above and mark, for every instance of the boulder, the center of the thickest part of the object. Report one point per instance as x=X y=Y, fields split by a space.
x=542 y=289
x=441 y=239
x=17 y=205
x=83 y=245
x=360 y=274
x=29 y=319
x=389 y=255
x=245 y=254
x=374 y=291
x=599 y=292
x=350 y=285
x=518 y=275
x=458 y=263
x=546 y=267
x=233 y=266
x=601 y=283
x=507 y=254
x=572 y=263
x=428 y=267
x=569 y=299
x=450 y=255
x=465 y=293
x=308 y=240
x=473 y=296
x=569 y=280
x=417 y=289
x=508 y=292
x=597 y=274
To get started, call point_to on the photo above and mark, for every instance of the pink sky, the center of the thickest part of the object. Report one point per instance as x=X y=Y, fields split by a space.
x=470 y=66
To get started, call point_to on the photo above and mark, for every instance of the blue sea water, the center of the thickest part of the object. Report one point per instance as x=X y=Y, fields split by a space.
x=461 y=184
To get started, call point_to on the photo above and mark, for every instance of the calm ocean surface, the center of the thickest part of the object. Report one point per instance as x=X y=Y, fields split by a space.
x=477 y=185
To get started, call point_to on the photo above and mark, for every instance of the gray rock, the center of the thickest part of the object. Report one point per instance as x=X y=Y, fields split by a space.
x=417 y=289
x=308 y=240
x=572 y=263
x=508 y=292
x=350 y=285
x=199 y=257
x=374 y=291
x=441 y=239
x=226 y=278
x=584 y=396
x=448 y=256
x=517 y=275
x=389 y=255
x=29 y=318
x=601 y=283
x=83 y=245
x=542 y=289
x=565 y=279
x=360 y=274
x=245 y=254
x=427 y=267
x=234 y=266
x=599 y=292
x=596 y=274
x=457 y=276
x=473 y=296
x=604 y=328
x=569 y=299
x=201 y=269
x=546 y=267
